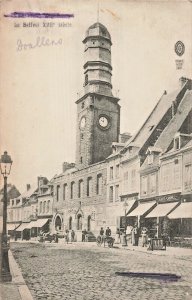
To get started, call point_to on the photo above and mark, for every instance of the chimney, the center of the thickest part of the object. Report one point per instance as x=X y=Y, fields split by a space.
x=28 y=187
x=67 y=166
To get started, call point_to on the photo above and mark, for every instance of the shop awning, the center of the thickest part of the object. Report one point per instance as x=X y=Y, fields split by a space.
x=39 y=223
x=22 y=226
x=183 y=211
x=12 y=226
x=161 y=210
x=141 y=209
x=30 y=225
x=130 y=205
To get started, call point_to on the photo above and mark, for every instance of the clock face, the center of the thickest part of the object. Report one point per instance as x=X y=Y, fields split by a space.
x=83 y=122
x=103 y=122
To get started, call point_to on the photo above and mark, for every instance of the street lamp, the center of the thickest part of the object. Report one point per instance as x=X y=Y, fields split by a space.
x=5 y=167
x=125 y=205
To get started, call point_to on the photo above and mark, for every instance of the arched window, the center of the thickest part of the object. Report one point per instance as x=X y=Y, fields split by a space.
x=80 y=192
x=48 y=206
x=89 y=186
x=72 y=189
x=79 y=222
x=58 y=223
x=57 y=192
x=44 y=205
x=70 y=223
x=99 y=184
x=64 y=191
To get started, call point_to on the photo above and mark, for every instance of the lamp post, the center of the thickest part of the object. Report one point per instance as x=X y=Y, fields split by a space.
x=125 y=205
x=5 y=167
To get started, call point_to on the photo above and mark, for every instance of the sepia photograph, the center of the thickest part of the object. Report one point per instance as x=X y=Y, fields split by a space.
x=95 y=149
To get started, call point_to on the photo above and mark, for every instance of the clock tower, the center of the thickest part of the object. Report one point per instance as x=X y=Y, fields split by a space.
x=98 y=111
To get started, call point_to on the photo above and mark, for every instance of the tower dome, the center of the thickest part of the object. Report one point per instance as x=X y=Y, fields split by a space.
x=97 y=29
x=97 y=57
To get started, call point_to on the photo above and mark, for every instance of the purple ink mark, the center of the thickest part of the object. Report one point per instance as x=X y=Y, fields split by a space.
x=39 y=15
x=159 y=276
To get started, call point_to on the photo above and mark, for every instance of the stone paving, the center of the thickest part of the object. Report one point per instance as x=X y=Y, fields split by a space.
x=87 y=272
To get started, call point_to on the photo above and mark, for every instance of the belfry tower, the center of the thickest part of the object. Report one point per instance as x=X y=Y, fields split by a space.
x=98 y=111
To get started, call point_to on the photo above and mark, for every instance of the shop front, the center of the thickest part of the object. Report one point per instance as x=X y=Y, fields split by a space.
x=137 y=215
x=157 y=221
x=37 y=226
x=23 y=231
x=181 y=225
x=129 y=203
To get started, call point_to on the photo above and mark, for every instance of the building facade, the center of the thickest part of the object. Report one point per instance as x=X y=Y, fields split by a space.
x=119 y=179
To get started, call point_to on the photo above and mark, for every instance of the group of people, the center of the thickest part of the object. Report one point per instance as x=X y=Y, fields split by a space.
x=105 y=233
x=132 y=235
x=66 y=236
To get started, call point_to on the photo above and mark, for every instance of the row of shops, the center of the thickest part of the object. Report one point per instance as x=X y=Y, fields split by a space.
x=27 y=231
x=172 y=220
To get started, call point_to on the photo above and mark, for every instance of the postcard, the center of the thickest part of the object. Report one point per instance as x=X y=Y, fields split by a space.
x=96 y=110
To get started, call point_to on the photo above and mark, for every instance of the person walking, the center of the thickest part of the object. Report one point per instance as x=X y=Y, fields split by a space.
x=117 y=237
x=67 y=236
x=72 y=235
x=101 y=233
x=84 y=232
x=108 y=232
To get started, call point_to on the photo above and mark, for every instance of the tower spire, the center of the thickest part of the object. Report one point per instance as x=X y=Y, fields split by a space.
x=98 y=11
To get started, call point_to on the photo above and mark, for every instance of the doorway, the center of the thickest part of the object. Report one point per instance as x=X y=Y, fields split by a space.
x=58 y=223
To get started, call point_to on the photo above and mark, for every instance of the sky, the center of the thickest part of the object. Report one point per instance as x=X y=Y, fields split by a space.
x=39 y=87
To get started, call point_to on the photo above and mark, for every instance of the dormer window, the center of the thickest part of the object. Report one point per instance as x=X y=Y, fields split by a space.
x=131 y=150
x=150 y=158
x=177 y=143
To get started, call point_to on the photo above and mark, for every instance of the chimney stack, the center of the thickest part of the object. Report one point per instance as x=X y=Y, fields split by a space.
x=67 y=166
x=28 y=187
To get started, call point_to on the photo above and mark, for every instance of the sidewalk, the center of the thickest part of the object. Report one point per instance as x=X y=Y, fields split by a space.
x=170 y=251
x=17 y=288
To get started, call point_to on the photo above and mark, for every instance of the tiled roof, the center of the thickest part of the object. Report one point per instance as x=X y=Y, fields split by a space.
x=175 y=123
x=155 y=117
x=189 y=144
x=162 y=106
x=30 y=192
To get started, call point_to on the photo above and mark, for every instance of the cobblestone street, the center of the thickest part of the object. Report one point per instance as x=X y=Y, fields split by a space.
x=85 y=271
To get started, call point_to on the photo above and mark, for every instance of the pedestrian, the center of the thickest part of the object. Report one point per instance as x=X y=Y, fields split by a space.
x=67 y=236
x=144 y=236
x=135 y=235
x=72 y=235
x=117 y=237
x=84 y=232
x=129 y=232
x=108 y=232
x=101 y=233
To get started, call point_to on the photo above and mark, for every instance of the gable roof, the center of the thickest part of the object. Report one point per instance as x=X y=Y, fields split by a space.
x=162 y=108
x=176 y=122
x=30 y=192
